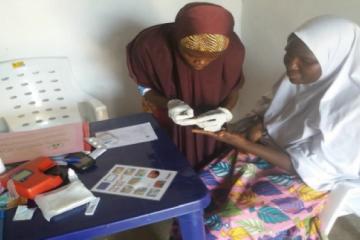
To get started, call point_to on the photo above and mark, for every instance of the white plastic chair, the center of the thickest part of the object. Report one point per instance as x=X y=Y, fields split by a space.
x=343 y=200
x=40 y=92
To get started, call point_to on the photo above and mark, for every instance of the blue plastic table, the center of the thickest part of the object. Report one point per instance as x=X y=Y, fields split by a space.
x=185 y=199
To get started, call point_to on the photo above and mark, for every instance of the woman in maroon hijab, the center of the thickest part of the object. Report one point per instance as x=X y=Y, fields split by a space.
x=190 y=71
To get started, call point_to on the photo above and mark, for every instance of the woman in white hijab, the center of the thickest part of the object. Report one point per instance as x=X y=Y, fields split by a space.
x=277 y=186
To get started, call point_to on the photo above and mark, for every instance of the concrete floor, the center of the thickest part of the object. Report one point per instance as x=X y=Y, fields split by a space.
x=158 y=231
x=345 y=228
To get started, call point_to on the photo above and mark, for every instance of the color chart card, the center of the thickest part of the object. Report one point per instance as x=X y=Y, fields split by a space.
x=138 y=182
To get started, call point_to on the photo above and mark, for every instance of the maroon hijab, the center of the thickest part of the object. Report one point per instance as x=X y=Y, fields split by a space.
x=199 y=18
x=154 y=61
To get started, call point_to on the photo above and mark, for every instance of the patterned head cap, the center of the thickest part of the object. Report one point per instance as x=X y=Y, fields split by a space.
x=206 y=42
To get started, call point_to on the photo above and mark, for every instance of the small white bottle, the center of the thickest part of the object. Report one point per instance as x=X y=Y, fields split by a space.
x=2 y=166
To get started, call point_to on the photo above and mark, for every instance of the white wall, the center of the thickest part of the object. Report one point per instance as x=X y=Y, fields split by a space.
x=265 y=26
x=93 y=34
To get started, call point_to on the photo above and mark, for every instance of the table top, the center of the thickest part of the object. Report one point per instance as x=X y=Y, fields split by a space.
x=115 y=213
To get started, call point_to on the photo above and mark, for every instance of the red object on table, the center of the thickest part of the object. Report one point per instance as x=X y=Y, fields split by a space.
x=30 y=178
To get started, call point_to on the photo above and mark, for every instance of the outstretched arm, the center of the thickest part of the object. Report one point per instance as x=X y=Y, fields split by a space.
x=272 y=155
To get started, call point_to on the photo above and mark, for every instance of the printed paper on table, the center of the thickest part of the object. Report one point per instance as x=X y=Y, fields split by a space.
x=138 y=182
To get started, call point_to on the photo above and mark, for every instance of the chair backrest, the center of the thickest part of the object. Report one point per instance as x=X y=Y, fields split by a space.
x=37 y=93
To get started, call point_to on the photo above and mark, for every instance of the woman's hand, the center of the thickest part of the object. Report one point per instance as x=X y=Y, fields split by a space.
x=255 y=132
x=270 y=154
x=235 y=139
x=251 y=127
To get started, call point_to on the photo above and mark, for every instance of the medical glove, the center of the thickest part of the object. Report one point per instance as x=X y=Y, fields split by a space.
x=179 y=111
x=213 y=120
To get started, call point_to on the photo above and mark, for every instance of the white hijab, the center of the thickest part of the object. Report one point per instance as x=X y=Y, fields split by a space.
x=318 y=124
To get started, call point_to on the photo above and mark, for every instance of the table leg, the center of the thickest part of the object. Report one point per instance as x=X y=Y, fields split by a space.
x=192 y=226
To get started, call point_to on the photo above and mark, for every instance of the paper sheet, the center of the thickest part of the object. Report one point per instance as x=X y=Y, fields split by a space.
x=127 y=135
x=138 y=182
x=20 y=146
x=23 y=213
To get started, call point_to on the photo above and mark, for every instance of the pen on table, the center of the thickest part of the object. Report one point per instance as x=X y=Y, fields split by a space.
x=2 y=219
x=72 y=159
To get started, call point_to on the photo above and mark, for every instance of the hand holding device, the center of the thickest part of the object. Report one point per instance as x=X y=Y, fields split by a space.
x=213 y=120
x=179 y=111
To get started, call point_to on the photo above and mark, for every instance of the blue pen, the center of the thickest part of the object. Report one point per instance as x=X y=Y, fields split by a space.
x=2 y=219
x=72 y=159
x=66 y=159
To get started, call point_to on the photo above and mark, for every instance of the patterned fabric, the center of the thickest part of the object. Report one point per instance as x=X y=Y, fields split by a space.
x=212 y=43
x=254 y=200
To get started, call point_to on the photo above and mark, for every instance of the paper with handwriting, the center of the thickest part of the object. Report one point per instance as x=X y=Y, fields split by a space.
x=127 y=135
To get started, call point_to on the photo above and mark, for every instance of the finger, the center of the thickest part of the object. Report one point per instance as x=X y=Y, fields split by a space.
x=203 y=132
x=213 y=128
x=255 y=136
x=197 y=130
x=221 y=133
x=217 y=135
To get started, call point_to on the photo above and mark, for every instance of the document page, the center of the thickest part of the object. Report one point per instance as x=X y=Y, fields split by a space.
x=127 y=135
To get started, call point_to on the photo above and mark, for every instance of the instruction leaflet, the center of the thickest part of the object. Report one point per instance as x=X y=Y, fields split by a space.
x=138 y=182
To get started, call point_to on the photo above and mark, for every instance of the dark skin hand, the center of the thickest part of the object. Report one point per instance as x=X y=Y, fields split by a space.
x=255 y=132
x=273 y=156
